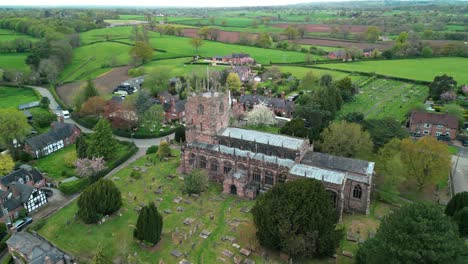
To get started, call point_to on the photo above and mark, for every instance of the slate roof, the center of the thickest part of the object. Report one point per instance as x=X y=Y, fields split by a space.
x=28 y=105
x=339 y=53
x=418 y=117
x=269 y=101
x=15 y=176
x=262 y=137
x=23 y=190
x=318 y=173
x=323 y=160
x=34 y=248
x=179 y=106
x=58 y=132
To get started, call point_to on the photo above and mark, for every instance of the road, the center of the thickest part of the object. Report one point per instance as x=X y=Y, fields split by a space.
x=140 y=143
x=460 y=170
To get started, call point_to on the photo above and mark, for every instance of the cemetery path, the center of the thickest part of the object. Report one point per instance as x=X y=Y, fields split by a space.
x=215 y=233
x=140 y=143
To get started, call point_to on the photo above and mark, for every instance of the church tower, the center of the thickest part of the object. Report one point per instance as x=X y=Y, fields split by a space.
x=205 y=114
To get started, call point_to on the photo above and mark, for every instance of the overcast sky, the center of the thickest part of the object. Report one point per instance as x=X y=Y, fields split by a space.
x=190 y=3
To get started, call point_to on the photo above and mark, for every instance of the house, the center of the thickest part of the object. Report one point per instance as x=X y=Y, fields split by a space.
x=25 y=175
x=174 y=110
x=367 y=52
x=337 y=55
x=31 y=248
x=442 y=126
x=244 y=73
x=17 y=197
x=280 y=106
x=234 y=59
x=60 y=136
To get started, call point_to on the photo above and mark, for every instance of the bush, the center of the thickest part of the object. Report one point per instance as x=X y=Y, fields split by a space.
x=74 y=186
x=179 y=134
x=196 y=182
x=151 y=150
x=149 y=225
x=3 y=244
x=164 y=150
x=461 y=217
x=24 y=156
x=69 y=159
x=135 y=175
x=458 y=202
x=22 y=213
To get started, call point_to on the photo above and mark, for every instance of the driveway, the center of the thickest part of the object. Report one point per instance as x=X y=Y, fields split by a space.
x=460 y=170
x=54 y=203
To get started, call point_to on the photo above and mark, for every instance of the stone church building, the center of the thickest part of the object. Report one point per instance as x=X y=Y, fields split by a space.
x=249 y=162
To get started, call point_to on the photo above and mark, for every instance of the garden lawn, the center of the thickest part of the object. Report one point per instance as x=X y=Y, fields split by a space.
x=14 y=61
x=90 y=61
x=12 y=97
x=415 y=69
x=385 y=98
x=54 y=166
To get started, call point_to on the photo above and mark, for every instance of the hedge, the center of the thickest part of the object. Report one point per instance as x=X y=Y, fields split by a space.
x=58 y=100
x=3 y=244
x=81 y=184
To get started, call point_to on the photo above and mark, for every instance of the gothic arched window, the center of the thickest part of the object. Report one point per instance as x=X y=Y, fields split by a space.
x=221 y=107
x=201 y=109
x=269 y=177
x=357 y=191
x=256 y=175
x=227 y=167
x=202 y=162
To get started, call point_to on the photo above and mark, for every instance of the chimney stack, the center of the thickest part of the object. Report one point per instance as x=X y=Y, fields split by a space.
x=255 y=91
x=269 y=93
x=173 y=102
x=283 y=94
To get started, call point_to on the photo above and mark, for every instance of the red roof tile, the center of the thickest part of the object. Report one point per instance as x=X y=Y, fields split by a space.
x=447 y=120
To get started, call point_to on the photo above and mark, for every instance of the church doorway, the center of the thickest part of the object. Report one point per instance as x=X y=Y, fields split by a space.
x=233 y=189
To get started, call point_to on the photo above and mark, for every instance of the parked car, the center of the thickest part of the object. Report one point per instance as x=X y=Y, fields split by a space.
x=21 y=224
x=48 y=192
x=66 y=114
x=124 y=89
x=465 y=142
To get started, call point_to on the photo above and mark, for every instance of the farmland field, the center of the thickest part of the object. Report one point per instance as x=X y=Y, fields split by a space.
x=416 y=69
x=14 y=61
x=92 y=60
x=105 y=33
x=386 y=98
x=178 y=67
x=12 y=97
x=300 y=72
x=230 y=22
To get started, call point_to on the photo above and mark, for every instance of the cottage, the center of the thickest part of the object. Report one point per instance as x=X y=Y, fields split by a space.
x=29 y=248
x=337 y=55
x=25 y=175
x=367 y=52
x=174 y=110
x=60 y=136
x=442 y=126
x=17 y=197
x=244 y=73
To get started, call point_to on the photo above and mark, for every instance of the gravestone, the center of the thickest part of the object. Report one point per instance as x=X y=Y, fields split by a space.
x=188 y=221
x=180 y=209
x=187 y=201
x=176 y=253
x=237 y=259
x=227 y=253
x=245 y=209
x=245 y=252
x=249 y=261
x=178 y=199
x=167 y=211
x=184 y=261
x=235 y=245
x=347 y=254
x=205 y=234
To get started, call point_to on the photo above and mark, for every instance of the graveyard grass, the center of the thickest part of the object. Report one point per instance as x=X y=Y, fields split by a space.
x=116 y=234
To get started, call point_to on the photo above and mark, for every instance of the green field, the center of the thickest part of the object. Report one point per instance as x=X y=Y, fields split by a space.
x=92 y=60
x=416 y=69
x=300 y=72
x=386 y=98
x=14 y=61
x=230 y=22
x=12 y=97
x=132 y=17
x=103 y=34
x=178 y=68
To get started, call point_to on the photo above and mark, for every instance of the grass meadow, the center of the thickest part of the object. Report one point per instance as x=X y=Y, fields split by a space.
x=415 y=69
x=14 y=61
x=12 y=97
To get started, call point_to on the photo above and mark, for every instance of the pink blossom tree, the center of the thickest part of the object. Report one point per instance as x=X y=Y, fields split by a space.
x=464 y=89
x=448 y=96
x=88 y=167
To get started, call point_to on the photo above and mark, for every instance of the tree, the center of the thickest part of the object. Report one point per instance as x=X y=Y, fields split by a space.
x=43 y=119
x=354 y=117
x=196 y=182
x=97 y=200
x=179 y=134
x=100 y=257
x=457 y=203
x=347 y=89
x=416 y=233
x=101 y=142
x=233 y=83
x=390 y=170
x=263 y=40
x=48 y=70
x=346 y=140
x=461 y=218
x=426 y=160
x=291 y=32
x=383 y=130
x=157 y=80
x=455 y=110
x=196 y=43
x=89 y=90
x=141 y=53
x=88 y=167
x=427 y=52
x=164 y=150
x=45 y=102
x=149 y=225
x=315 y=119
x=153 y=116
x=309 y=82
x=295 y=127
x=372 y=34
x=81 y=147
x=440 y=85
x=93 y=106
x=13 y=126
x=297 y=217
x=261 y=115
x=6 y=164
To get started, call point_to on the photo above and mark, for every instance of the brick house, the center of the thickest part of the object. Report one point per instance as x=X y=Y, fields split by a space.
x=60 y=136
x=433 y=124
x=174 y=110
x=337 y=55
x=248 y=162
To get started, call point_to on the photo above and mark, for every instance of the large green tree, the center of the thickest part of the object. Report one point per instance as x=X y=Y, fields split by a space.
x=295 y=127
x=297 y=217
x=458 y=202
x=383 y=130
x=101 y=142
x=417 y=233
x=390 y=171
x=6 y=164
x=99 y=199
x=196 y=182
x=149 y=225
x=13 y=125
x=426 y=160
x=141 y=53
x=81 y=147
x=157 y=80
x=233 y=83
x=346 y=140
x=440 y=85
x=308 y=82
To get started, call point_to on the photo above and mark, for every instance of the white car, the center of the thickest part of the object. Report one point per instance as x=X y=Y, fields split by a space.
x=66 y=114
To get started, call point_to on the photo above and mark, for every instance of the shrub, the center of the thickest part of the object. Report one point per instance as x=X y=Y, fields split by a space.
x=149 y=225
x=457 y=203
x=179 y=135
x=74 y=186
x=135 y=175
x=151 y=150
x=196 y=182
x=3 y=244
x=69 y=159
x=461 y=217
x=164 y=150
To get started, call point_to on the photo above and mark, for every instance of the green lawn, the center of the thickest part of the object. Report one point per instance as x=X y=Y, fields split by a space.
x=14 y=61
x=54 y=166
x=416 y=69
x=386 y=98
x=11 y=37
x=12 y=97
x=178 y=68
x=102 y=34
x=300 y=72
x=92 y=60
x=230 y=22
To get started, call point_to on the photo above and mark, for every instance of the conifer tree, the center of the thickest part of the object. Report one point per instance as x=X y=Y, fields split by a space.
x=81 y=147
x=149 y=225
x=101 y=142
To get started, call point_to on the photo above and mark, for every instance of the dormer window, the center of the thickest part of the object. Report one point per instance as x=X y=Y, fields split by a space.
x=427 y=125
x=20 y=180
x=440 y=126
